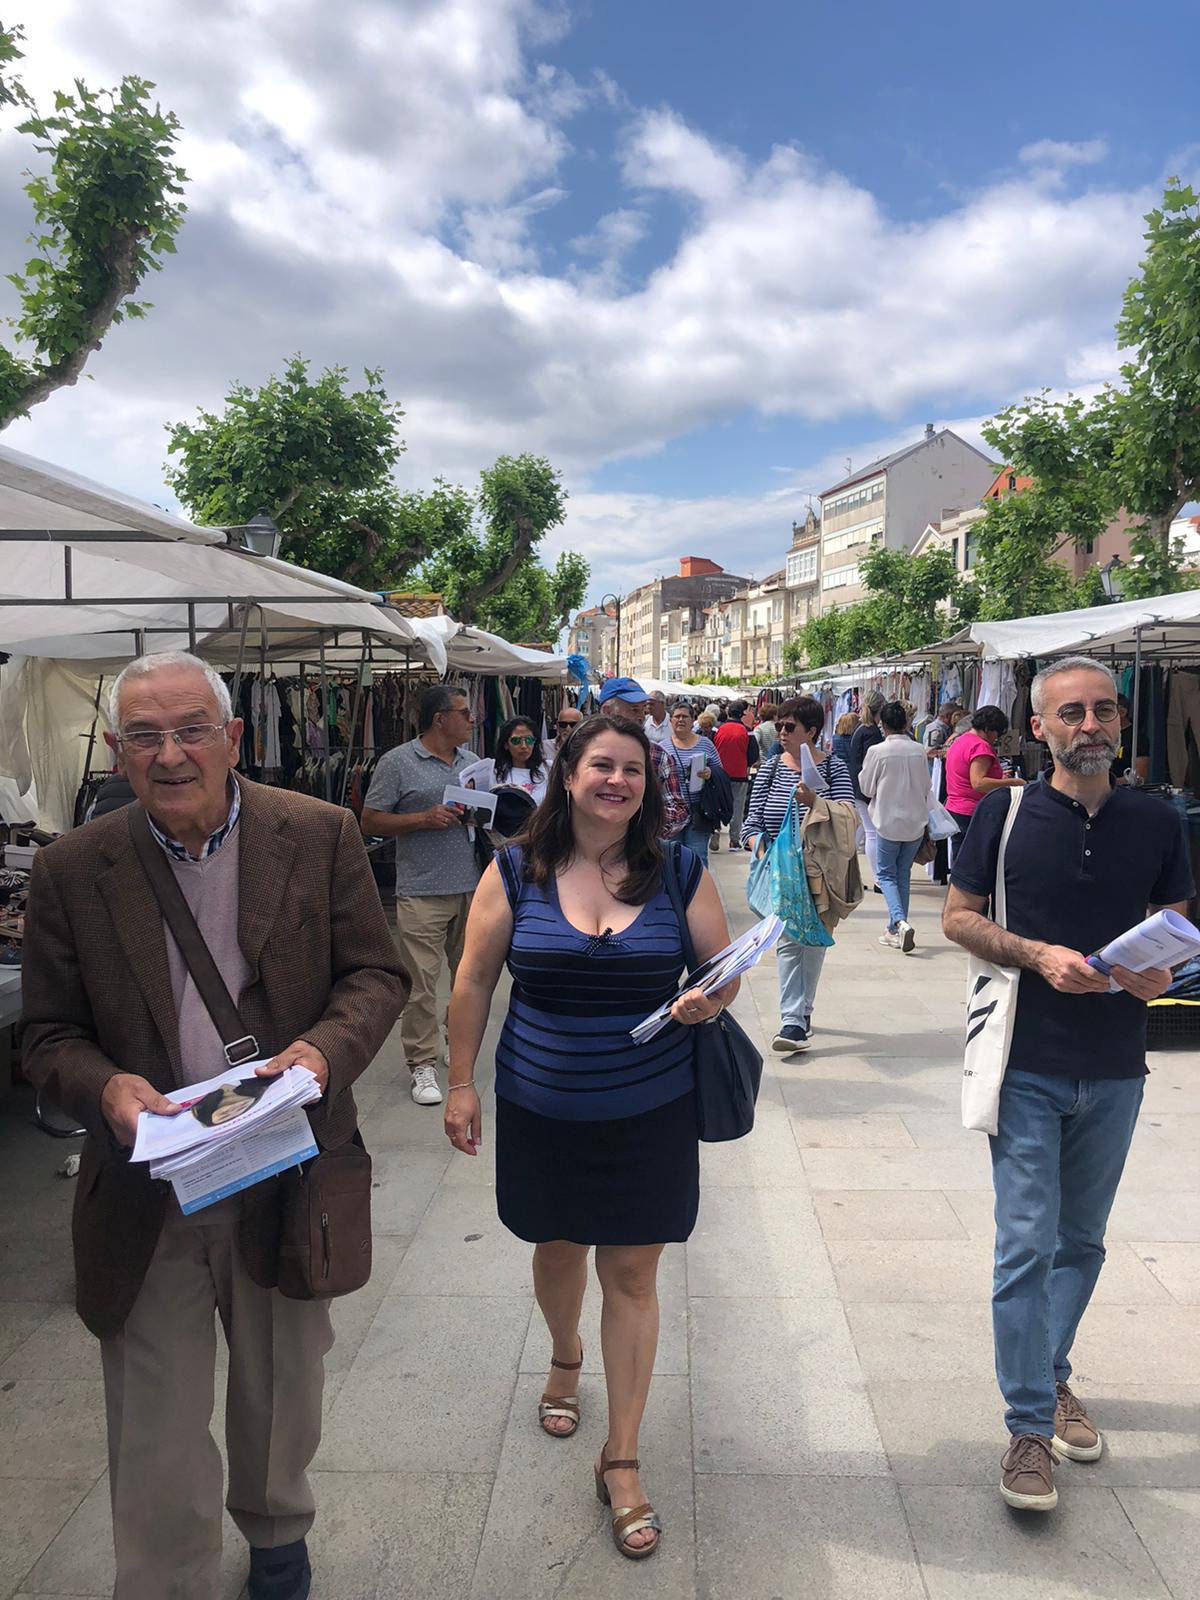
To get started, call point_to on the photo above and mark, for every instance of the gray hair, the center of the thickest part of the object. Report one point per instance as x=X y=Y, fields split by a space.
x=1037 y=689
x=145 y=665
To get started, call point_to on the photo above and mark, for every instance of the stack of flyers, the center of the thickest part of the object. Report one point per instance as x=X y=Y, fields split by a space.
x=235 y=1130
x=715 y=973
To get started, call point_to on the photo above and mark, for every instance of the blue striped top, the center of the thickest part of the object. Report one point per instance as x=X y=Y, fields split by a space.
x=772 y=794
x=565 y=1050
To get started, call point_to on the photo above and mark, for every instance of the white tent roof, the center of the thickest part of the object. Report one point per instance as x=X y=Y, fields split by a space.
x=469 y=649
x=1168 y=623
x=156 y=557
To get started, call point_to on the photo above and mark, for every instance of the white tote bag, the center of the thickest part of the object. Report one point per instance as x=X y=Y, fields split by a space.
x=991 y=1011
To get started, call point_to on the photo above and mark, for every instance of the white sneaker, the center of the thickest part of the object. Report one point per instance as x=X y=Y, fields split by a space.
x=908 y=937
x=891 y=940
x=425 y=1089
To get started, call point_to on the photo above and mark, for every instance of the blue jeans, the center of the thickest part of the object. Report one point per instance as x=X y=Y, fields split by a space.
x=1056 y=1164
x=799 y=973
x=697 y=839
x=895 y=859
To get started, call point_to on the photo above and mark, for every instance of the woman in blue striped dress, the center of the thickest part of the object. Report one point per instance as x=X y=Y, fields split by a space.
x=799 y=724
x=596 y=1136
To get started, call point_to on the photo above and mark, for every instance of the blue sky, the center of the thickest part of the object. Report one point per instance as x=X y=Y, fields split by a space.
x=697 y=255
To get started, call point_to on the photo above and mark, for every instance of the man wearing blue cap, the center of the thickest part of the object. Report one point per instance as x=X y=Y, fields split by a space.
x=625 y=699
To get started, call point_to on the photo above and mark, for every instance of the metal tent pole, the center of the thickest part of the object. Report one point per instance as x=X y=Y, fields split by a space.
x=325 y=721
x=1137 y=695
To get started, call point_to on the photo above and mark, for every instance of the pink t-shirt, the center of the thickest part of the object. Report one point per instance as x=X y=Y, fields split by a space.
x=960 y=796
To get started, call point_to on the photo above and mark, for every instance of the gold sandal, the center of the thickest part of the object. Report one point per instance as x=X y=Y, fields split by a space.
x=627 y=1519
x=561 y=1405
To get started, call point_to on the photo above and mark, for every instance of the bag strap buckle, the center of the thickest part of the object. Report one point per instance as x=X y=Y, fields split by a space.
x=241 y=1050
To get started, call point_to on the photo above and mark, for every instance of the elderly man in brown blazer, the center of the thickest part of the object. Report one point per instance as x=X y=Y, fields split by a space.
x=282 y=892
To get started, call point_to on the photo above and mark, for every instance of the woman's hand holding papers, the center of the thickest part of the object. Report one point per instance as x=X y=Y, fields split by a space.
x=695 y=1006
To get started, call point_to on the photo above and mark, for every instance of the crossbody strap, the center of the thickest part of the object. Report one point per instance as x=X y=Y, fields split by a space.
x=1000 y=897
x=671 y=884
x=239 y=1043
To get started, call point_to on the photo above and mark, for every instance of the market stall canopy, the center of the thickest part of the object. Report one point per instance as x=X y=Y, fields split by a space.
x=469 y=649
x=1166 y=624
x=68 y=591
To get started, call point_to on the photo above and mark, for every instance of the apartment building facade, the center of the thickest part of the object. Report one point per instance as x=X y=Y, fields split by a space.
x=760 y=622
x=802 y=572
x=646 y=647
x=593 y=635
x=891 y=502
x=957 y=532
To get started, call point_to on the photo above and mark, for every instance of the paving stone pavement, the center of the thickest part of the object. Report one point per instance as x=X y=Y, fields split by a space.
x=823 y=1421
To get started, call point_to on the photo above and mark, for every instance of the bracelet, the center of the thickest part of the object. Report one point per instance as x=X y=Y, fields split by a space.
x=469 y=1084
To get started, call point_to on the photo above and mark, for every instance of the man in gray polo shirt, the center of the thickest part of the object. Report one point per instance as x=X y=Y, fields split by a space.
x=436 y=871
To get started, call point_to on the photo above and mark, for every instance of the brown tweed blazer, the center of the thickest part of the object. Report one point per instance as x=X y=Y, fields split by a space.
x=97 y=1000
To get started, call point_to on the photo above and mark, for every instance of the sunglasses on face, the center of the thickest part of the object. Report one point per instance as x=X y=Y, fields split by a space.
x=522 y=738
x=787 y=727
x=1074 y=714
x=564 y=726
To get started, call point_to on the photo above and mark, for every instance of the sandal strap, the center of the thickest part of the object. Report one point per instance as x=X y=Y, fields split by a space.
x=558 y=1406
x=633 y=1519
x=607 y=1466
x=567 y=1366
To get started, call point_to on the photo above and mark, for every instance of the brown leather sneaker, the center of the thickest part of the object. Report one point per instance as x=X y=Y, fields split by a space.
x=1028 y=1481
x=1075 y=1436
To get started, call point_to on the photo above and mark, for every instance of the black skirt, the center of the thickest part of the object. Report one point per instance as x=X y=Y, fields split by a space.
x=632 y=1180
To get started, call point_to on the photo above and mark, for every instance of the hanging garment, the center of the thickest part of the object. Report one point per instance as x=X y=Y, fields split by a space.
x=1183 y=715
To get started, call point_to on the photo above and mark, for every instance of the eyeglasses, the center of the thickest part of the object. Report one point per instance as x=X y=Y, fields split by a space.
x=787 y=727
x=522 y=738
x=197 y=736
x=1073 y=714
x=564 y=726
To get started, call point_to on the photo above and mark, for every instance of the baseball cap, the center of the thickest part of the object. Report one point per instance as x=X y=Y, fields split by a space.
x=622 y=689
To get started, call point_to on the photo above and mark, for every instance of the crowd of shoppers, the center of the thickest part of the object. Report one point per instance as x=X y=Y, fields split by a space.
x=596 y=1141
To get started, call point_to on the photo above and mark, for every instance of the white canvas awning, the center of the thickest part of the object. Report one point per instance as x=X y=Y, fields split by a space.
x=470 y=649
x=1167 y=624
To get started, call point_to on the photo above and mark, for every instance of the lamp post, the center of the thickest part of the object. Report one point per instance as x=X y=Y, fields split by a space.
x=259 y=536
x=615 y=601
x=1110 y=579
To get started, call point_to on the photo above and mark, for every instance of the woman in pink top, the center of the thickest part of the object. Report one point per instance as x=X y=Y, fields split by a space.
x=972 y=769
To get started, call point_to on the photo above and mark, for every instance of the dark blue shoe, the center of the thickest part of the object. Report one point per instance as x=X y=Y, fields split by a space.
x=790 y=1038
x=280 y=1574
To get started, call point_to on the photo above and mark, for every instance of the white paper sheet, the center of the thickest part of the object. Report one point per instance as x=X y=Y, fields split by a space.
x=1163 y=940
x=736 y=958
x=159 y=1138
x=283 y=1142
x=696 y=766
x=810 y=772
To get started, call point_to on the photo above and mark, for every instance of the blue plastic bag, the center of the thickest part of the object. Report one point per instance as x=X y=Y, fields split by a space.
x=758 y=885
x=791 y=898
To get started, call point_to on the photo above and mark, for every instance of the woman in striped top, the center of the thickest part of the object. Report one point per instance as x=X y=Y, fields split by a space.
x=799 y=724
x=596 y=1137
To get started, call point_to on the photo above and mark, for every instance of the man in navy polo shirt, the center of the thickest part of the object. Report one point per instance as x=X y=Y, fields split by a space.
x=1085 y=861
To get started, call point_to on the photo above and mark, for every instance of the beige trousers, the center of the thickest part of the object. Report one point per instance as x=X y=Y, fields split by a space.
x=429 y=930
x=165 y=1473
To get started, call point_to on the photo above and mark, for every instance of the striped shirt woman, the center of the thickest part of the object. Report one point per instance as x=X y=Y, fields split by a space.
x=799 y=722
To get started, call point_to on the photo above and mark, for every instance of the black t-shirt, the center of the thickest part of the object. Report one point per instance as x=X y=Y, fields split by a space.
x=1078 y=881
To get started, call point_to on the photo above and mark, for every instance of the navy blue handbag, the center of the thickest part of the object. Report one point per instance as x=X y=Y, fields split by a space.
x=728 y=1067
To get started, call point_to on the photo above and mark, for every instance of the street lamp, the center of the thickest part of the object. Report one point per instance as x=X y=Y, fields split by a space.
x=615 y=601
x=1110 y=579
x=258 y=537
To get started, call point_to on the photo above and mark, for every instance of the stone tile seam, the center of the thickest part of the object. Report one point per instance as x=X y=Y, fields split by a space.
x=1133 y=1527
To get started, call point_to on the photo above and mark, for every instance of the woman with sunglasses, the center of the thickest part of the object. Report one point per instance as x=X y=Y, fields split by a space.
x=519 y=758
x=799 y=724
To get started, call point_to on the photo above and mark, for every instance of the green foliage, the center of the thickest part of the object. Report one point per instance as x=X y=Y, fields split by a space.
x=489 y=573
x=105 y=213
x=903 y=610
x=318 y=455
x=1136 y=447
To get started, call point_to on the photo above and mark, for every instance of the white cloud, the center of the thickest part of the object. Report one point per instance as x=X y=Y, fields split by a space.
x=373 y=184
x=1063 y=153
